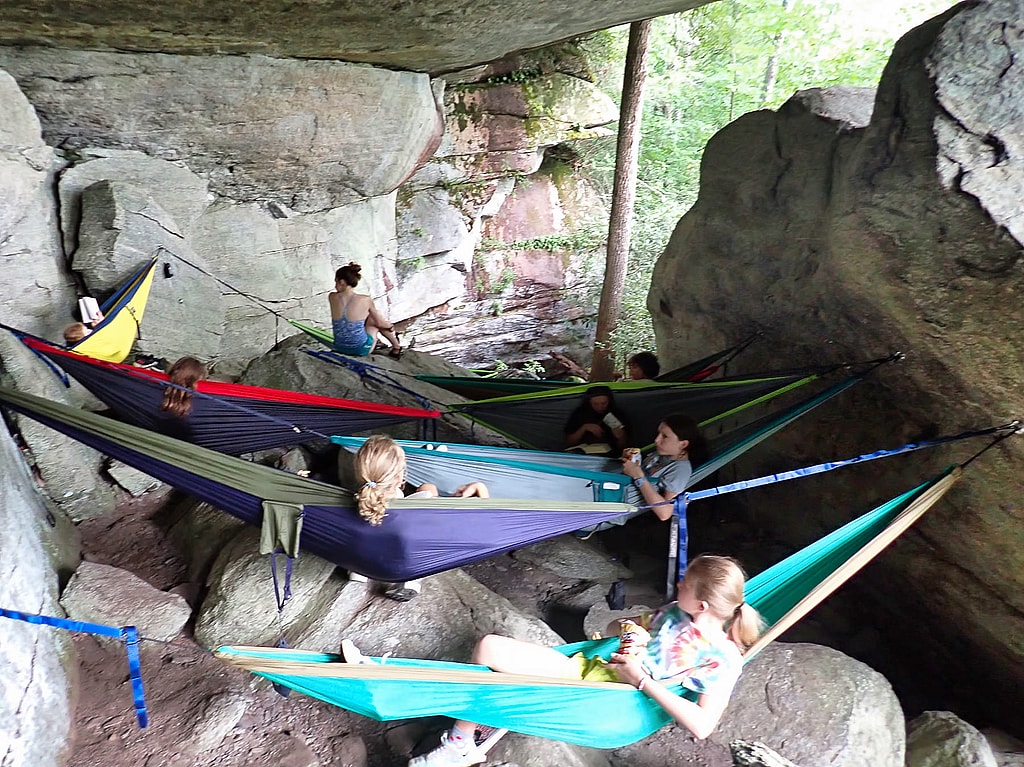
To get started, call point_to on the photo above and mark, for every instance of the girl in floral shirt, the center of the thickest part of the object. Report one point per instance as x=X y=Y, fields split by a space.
x=696 y=641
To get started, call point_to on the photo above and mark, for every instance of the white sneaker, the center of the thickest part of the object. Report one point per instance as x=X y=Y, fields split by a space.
x=351 y=653
x=357 y=578
x=448 y=755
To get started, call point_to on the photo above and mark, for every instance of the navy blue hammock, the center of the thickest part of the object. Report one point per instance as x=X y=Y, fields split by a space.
x=230 y=418
x=418 y=537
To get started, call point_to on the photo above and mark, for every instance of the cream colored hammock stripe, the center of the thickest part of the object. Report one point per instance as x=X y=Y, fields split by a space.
x=848 y=569
x=379 y=671
x=412 y=673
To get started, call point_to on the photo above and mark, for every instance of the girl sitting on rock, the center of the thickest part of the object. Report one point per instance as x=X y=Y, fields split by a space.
x=355 y=320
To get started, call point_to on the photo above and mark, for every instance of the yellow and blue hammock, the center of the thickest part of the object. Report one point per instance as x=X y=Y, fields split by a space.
x=230 y=418
x=418 y=537
x=594 y=714
x=112 y=339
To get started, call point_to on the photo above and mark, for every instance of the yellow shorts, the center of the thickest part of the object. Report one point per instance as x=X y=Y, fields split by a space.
x=594 y=669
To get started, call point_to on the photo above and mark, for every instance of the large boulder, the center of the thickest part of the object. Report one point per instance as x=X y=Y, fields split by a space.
x=942 y=739
x=307 y=134
x=35 y=699
x=28 y=219
x=844 y=241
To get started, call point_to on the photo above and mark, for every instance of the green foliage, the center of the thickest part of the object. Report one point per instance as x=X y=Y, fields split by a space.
x=516 y=76
x=706 y=68
x=583 y=239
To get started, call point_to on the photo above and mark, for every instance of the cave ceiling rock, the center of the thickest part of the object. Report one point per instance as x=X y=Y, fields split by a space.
x=845 y=242
x=309 y=134
x=425 y=36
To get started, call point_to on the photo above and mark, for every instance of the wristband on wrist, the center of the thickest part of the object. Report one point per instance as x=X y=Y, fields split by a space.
x=643 y=680
x=640 y=481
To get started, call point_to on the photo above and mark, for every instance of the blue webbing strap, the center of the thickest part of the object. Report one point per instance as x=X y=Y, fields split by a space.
x=830 y=465
x=282 y=595
x=130 y=637
x=282 y=600
x=368 y=370
x=678 y=545
x=678 y=535
x=127 y=634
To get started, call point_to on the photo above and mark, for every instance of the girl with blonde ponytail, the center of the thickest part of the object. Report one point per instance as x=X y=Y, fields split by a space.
x=696 y=642
x=380 y=474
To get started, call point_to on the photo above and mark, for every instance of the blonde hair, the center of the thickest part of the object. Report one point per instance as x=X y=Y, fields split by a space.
x=186 y=371
x=75 y=332
x=719 y=581
x=380 y=472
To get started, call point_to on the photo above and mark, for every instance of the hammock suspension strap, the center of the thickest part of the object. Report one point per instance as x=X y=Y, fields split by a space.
x=129 y=635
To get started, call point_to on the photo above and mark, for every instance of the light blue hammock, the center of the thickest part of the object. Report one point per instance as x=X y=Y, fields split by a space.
x=540 y=475
x=594 y=714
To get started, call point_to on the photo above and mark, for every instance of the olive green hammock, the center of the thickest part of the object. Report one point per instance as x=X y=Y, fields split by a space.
x=594 y=714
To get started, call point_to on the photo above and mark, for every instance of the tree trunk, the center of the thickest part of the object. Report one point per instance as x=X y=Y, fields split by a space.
x=620 y=224
x=771 y=71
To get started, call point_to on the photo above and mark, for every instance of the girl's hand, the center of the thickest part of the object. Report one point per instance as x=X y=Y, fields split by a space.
x=632 y=469
x=473 y=489
x=628 y=668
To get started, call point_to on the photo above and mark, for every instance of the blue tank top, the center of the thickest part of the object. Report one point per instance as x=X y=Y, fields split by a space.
x=348 y=332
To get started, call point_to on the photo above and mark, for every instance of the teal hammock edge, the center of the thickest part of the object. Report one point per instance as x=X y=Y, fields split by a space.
x=562 y=711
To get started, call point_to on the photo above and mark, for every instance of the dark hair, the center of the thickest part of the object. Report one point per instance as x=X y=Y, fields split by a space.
x=598 y=391
x=349 y=274
x=687 y=428
x=647 y=362
x=186 y=371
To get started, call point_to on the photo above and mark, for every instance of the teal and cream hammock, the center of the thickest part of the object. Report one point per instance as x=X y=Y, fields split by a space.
x=594 y=714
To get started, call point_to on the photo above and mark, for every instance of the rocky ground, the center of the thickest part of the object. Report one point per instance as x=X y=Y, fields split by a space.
x=190 y=695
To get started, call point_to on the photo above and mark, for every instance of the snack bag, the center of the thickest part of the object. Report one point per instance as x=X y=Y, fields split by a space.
x=633 y=637
x=631 y=454
x=611 y=421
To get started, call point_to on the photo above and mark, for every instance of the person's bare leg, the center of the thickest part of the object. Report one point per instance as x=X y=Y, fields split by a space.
x=392 y=337
x=372 y=331
x=514 y=656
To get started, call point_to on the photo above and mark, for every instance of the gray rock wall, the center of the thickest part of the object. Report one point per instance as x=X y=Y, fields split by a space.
x=844 y=240
x=35 y=705
x=253 y=179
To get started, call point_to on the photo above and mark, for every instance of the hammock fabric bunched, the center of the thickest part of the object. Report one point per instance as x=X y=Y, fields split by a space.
x=230 y=418
x=112 y=339
x=485 y=387
x=418 y=537
x=522 y=473
x=594 y=714
x=536 y=420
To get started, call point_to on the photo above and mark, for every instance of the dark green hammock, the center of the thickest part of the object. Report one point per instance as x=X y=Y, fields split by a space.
x=595 y=714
